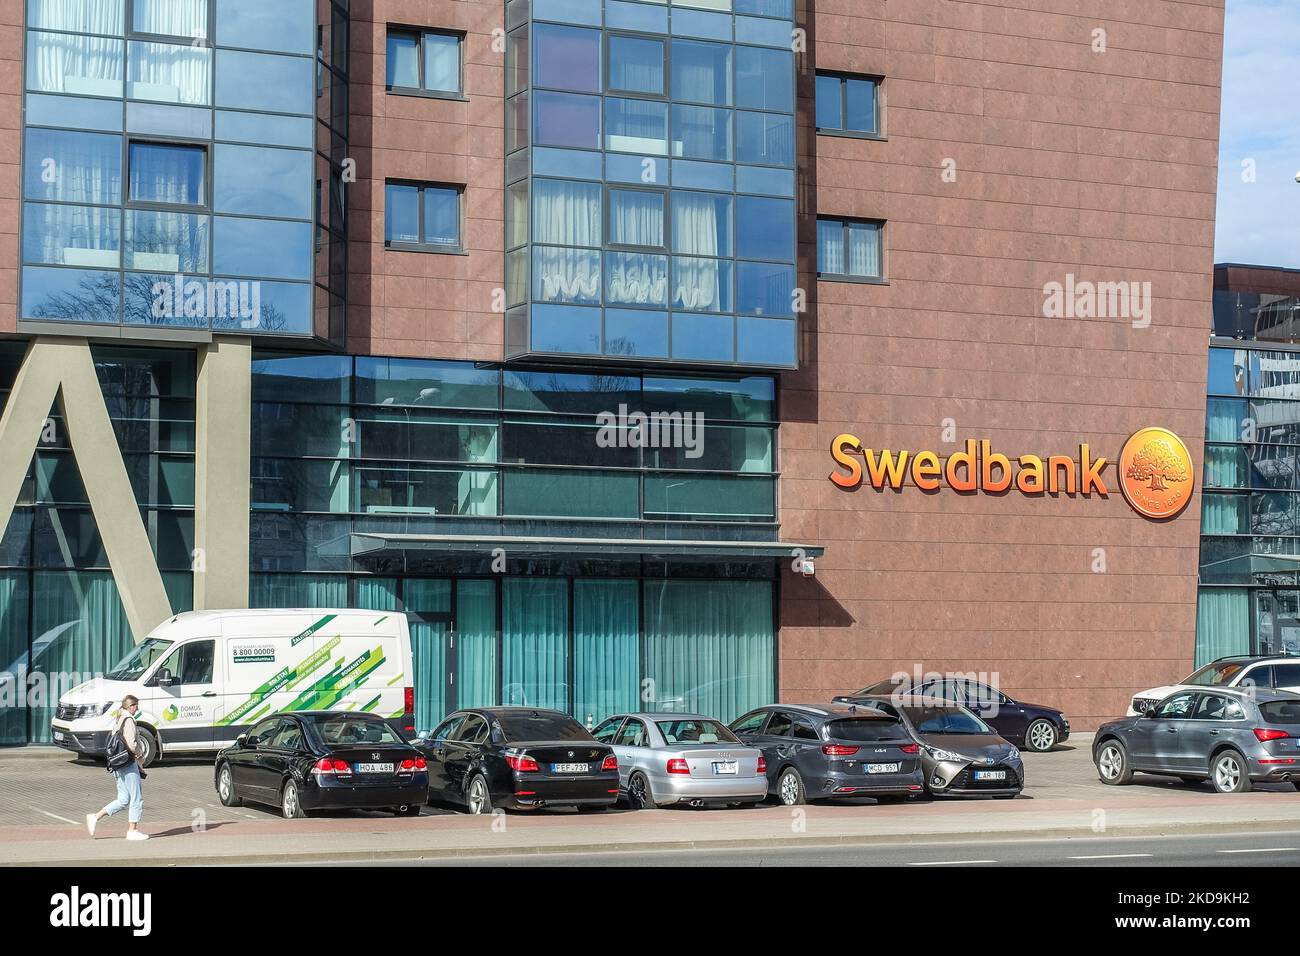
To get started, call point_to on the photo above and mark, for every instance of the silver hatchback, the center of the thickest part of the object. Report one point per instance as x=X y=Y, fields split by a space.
x=669 y=758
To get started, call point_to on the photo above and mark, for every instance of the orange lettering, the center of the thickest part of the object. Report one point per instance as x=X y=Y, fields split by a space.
x=840 y=447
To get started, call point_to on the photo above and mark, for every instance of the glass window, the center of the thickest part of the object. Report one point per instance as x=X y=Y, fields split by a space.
x=1178 y=707
x=847 y=247
x=566 y=58
x=261 y=247
x=765 y=79
x=403 y=60
x=76 y=16
x=585 y=494
x=636 y=126
x=704 y=338
x=566 y=213
x=424 y=61
x=780 y=725
x=636 y=217
x=701 y=72
x=634 y=278
x=566 y=119
x=746 y=399
x=288 y=737
x=764 y=288
x=702 y=285
x=173 y=18
x=71 y=295
x=81 y=65
x=566 y=392
x=848 y=103
x=566 y=275
x=636 y=65
x=169 y=73
x=284 y=26
x=422 y=215
x=764 y=228
x=702 y=224
x=765 y=139
x=766 y=8
x=701 y=132
x=607 y=730
x=633 y=734
x=71 y=235
x=263 y=182
x=166 y=173
x=166 y=242
x=73 y=167
x=750 y=723
x=265 y=81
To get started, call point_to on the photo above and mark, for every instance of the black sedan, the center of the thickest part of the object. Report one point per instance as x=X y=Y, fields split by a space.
x=321 y=759
x=518 y=758
x=1033 y=726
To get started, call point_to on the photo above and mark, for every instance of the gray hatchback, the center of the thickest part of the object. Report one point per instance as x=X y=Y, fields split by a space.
x=1231 y=737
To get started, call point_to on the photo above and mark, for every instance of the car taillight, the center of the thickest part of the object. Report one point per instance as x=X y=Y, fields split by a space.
x=910 y=748
x=411 y=764
x=522 y=764
x=610 y=763
x=1265 y=734
x=328 y=765
x=678 y=765
x=762 y=765
x=838 y=750
x=408 y=710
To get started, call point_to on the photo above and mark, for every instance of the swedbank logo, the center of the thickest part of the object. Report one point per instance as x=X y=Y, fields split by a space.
x=1155 y=471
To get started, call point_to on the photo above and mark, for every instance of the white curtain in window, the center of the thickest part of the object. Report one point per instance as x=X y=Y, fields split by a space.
x=566 y=214
x=165 y=175
x=637 y=279
x=698 y=284
x=173 y=18
x=87 y=166
x=830 y=247
x=72 y=235
x=696 y=231
x=636 y=218
x=864 y=249
x=77 y=16
x=87 y=66
x=1222 y=623
x=170 y=73
x=566 y=275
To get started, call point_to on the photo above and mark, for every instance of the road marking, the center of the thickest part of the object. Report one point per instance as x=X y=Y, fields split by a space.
x=1109 y=856
x=57 y=817
x=951 y=862
x=1271 y=849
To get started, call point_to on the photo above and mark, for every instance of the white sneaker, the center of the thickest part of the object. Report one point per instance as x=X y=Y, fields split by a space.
x=136 y=835
x=90 y=823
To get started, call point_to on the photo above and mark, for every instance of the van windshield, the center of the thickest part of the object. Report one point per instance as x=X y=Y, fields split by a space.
x=139 y=660
x=1220 y=672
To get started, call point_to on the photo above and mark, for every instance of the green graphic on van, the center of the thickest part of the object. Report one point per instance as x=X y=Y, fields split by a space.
x=312 y=630
x=333 y=687
x=284 y=678
x=171 y=712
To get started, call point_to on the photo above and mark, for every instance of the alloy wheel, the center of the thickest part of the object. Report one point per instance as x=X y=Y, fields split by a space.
x=636 y=791
x=224 y=785
x=1227 y=774
x=1110 y=762
x=478 y=796
x=290 y=802
x=789 y=789
x=1042 y=736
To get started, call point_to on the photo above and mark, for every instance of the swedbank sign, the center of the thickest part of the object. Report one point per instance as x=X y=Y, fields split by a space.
x=1155 y=471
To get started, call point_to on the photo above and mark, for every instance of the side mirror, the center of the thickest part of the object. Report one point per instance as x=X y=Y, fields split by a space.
x=248 y=741
x=1150 y=713
x=164 y=678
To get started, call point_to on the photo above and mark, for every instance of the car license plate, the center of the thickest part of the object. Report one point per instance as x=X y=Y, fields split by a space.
x=990 y=775
x=374 y=768
x=569 y=767
x=57 y=735
x=725 y=766
x=882 y=768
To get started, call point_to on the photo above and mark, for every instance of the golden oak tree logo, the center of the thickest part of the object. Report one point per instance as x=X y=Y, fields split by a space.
x=1158 y=461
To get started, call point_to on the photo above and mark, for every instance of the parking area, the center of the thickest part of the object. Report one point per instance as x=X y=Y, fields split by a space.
x=41 y=785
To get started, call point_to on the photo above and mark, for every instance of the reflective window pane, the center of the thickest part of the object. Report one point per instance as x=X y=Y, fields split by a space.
x=169 y=73
x=764 y=289
x=167 y=242
x=265 y=81
x=765 y=79
x=636 y=65
x=708 y=338
x=441 y=216
x=401 y=213
x=701 y=72
x=167 y=174
x=259 y=247
x=633 y=278
x=765 y=139
x=830 y=103
x=636 y=217
x=71 y=295
x=702 y=224
x=702 y=285
x=636 y=126
x=403 y=60
x=860 y=105
x=283 y=27
x=566 y=213
x=764 y=228
x=566 y=275
x=701 y=132
x=442 y=62
x=65 y=166
x=566 y=119
x=87 y=236
x=76 y=16
x=174 y=18
x=81 y=65
x=263 y=182
x=566 y=58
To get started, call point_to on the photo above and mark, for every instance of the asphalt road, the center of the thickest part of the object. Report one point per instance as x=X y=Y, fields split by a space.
x=1218 y=850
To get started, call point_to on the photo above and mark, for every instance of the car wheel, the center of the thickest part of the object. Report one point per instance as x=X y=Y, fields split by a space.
x=1296 y=784
x=226 y=788
x=291 y=802
x=477 y=796
x=1041 y=736
x=1228 y=772
x=789 y=788
x=1112 y=764
x=148 y=744
x=639 y=796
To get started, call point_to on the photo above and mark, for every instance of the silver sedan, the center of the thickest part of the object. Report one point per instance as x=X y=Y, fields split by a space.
x=669 y=758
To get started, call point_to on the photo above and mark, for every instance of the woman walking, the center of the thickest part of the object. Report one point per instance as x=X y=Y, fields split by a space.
x=128 y=776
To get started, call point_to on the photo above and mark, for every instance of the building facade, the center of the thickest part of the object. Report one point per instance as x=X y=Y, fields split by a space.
x=541 y=320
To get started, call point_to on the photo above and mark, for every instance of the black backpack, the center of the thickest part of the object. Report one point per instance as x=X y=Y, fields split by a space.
x=119 y=757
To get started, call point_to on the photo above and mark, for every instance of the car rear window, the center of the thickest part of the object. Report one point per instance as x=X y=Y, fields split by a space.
x=696 y=732
x=1281 y=711
x=542 y=727
x=865 y=730
x=344 y=731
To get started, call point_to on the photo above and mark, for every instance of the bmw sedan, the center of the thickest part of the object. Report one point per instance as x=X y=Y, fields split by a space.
x=1233 y=738
x=321 y=759
x=830 y=751
x=518 y=758
x=671 y=758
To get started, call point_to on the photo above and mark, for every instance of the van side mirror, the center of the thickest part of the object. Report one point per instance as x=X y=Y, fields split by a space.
x=164 y=678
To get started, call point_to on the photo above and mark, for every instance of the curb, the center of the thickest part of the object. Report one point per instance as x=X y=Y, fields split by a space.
x=434 y=854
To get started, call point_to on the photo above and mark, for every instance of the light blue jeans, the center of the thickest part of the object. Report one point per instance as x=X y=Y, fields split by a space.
x=128 y=793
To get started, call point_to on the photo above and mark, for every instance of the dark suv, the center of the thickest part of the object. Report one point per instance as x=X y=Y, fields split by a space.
x=1032 y=726
x=828 y=751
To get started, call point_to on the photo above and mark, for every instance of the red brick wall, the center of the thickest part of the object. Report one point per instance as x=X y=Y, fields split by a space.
x=414 y=304
x=1067 y=161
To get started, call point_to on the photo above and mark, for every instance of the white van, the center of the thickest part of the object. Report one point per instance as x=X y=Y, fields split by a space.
x=204 y=677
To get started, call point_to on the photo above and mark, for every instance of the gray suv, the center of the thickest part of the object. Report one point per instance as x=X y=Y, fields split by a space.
x=829 y=751
x=1230 y=737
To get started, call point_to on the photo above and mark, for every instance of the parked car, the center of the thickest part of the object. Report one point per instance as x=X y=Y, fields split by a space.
x=961 y=754
x=1232 y=737
x=323 y=759
x=671 y=758
x=828 y=751
x=1035 y=727
x=1272 y=673
x=518 y=758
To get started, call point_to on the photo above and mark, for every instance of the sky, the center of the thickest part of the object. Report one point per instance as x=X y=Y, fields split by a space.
x=1259 y=222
